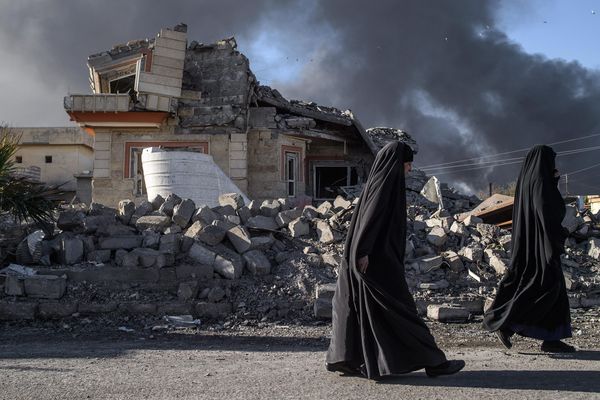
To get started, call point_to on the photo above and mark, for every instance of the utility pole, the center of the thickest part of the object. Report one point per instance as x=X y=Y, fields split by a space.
x=490 y=189
x=566 y=184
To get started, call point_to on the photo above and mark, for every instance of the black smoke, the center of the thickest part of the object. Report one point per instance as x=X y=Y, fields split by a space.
x=441 y=70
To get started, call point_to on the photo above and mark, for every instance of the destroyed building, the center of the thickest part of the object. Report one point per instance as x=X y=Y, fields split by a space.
x=166 y=92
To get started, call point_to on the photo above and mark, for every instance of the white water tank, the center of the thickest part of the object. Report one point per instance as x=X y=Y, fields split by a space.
x=187 y=174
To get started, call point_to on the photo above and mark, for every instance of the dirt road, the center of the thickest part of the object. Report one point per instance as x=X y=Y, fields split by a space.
x=284 y=363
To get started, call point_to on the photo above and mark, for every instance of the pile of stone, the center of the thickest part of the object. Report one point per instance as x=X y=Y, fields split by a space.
x=202 y=247
x=453 y=266
x=269 y=260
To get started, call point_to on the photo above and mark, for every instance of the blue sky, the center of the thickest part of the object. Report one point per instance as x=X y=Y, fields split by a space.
x=567 y=29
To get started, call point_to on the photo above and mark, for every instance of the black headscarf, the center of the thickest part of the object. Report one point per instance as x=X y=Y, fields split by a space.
x=533 y=292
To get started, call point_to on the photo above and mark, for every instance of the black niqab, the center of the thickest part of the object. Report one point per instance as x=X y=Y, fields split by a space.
x=532 y=298
x=375 y=321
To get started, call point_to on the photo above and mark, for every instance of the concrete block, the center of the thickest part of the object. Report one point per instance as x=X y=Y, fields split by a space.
x=228 y=268
x=201 y=255
x=447 y=313
x=183 y=212
x=324 y=232
x=120 y=242
x=170 y=244
x=211 y=235
x=240 y=238
x=17 y=311
x=285 y=217
x=71 y=251
x=156 y=223
x=322 y=308
x=13 y=285
x=234 y=200
x=261 y=242
x=472 y=221
x=45 y=286
x=437 y=237
x=188 y=290
x=262 y=222
x=270 y=208
x=257 y=263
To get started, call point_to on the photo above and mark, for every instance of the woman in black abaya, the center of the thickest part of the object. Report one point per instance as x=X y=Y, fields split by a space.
x=376 y=329
x=532 y=298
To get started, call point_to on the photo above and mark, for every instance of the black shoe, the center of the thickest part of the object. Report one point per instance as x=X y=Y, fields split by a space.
x=342 y=367
x=447 y=368
x=504 y=338
x=556 y=346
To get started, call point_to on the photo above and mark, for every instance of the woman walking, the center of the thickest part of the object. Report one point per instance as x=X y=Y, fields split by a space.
x=532 y=297
x=376 y=329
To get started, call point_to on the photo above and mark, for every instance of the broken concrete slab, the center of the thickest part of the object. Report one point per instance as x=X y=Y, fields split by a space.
x=285 y=217
x=454 y=261
x=183 y=212
x=262 y=222
x=157 y=223
x=472 y=221
x=270 y=208
x=257 y=263
x=324 y=232
x=234 y=200
x=169 y=204
x=201 y=254
x=126 y=210
x=261 y=242
x=170 y=243
x=211 y=235
x=341 y=203
x=240 y=238
x=229 y=269
x=437 y=237
x=447 y=313
x=430 y=263
x=299 y=228
x=71 y=251
x=206 y=215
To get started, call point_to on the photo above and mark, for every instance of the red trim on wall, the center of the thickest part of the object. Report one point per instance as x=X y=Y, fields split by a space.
x=291 y=149
x=154 y=117
x=129 y=145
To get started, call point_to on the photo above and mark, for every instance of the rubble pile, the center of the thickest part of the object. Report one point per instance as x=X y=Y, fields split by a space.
x=267 y=261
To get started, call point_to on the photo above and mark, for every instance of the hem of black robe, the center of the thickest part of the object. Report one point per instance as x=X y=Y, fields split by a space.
x=562 y=331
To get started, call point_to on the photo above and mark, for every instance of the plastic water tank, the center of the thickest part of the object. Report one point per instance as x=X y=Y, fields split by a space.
x=188 y=174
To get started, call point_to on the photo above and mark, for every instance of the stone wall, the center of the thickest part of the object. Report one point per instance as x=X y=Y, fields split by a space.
x=217 y=82
x=264 y=163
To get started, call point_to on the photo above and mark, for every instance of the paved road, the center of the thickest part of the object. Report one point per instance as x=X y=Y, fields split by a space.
x=269 y=367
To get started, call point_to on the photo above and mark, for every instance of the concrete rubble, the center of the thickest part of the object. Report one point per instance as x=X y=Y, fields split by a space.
x=263 y=261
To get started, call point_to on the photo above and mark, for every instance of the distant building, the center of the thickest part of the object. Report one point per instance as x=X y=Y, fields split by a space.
x=54 y=155
x=166 y=92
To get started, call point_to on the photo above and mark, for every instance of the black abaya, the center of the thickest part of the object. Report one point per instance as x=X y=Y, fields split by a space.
x=375 y=322
x=532 y=297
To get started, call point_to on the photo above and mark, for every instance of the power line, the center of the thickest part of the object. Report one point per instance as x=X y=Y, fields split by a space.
x=508 y=152
x=507 y=161
x=582 y=169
